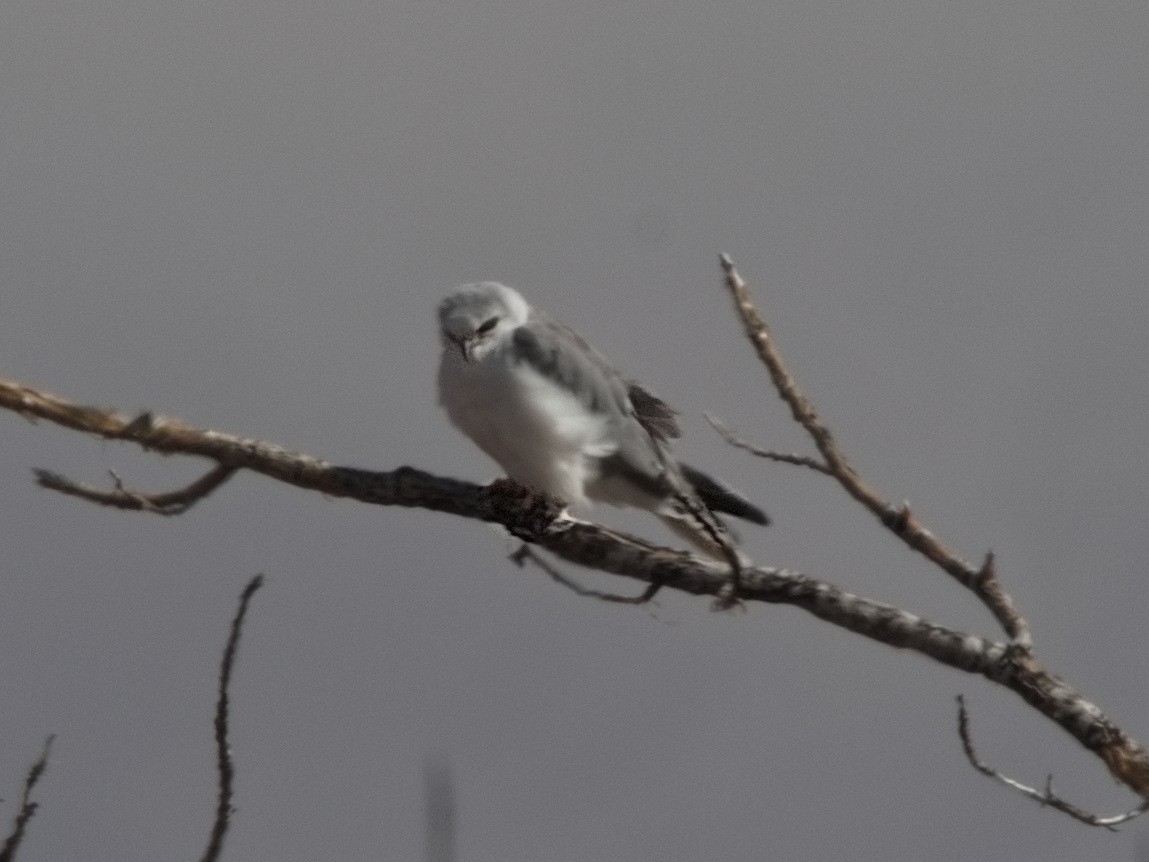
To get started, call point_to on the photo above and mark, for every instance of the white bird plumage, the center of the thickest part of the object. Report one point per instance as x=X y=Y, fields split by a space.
x=558 y=418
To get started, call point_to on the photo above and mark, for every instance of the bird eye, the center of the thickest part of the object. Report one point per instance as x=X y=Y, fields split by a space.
x=487 y=325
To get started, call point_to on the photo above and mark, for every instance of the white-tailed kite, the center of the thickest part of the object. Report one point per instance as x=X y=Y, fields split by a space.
x=558 y=418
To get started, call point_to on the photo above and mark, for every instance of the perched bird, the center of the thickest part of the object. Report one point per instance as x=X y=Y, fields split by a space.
x=558 y=418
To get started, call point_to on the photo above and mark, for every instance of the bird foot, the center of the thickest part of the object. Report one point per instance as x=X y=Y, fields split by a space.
x=510 y=488
x=727 y=599
x=543 y=511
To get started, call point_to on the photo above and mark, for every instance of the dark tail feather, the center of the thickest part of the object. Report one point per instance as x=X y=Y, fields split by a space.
x=720 y=497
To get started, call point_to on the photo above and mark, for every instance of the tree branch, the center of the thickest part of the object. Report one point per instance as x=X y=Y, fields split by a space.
x=1018 y=670
x=769 y=454
x=525 y=552
x=899 y=519
x=225 y=769
x=172 y=503
x=1044 y=797
x=536 y=519
x=27 y=808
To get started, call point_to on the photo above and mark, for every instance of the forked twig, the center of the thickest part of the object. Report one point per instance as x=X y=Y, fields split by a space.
x=983 y=581
x=1019 y=668
x=170 y=503
x=1043 y=797
x=781 y=457
x=526 y=552
x=27 y=808
x=224 y=767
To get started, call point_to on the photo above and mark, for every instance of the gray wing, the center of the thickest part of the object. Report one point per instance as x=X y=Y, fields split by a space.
x=562 y=356
x=642 y=422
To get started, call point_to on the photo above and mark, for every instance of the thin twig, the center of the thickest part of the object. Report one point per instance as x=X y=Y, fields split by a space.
x=27 y=808
x=781 y=457
x=1043 y=797
x=982 y=581
x=224 y=766
x=526 y=552
x=989 y=588
x=170 y=503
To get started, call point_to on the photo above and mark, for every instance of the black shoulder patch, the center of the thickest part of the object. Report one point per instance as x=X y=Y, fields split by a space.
x=656 y=416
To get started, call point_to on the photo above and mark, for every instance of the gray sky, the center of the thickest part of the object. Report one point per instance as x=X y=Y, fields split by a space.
x=244 y=213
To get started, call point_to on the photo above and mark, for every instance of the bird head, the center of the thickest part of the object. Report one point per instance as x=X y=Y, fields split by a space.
x=475 y=318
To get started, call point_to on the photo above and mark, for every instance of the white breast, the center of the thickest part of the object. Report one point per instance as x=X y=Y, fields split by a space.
x=539 y=433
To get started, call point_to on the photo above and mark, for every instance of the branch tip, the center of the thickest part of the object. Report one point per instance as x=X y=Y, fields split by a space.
x=121 y=497
x=781 y=457
x=988 y=571
x=142 y=424
x=225 y=768
x=1046 y=797
x=27 y=808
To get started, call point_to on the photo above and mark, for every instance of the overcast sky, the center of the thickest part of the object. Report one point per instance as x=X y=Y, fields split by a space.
x=243 y=213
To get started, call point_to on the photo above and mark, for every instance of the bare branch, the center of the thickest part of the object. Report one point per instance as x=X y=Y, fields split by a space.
x=224 y=767
x=1044 y=797
x=1021 y=672
x=27 y=808
x=170 y=503
x=781 y=457
x=899 y=520
x=535 y=518
x=526 y=552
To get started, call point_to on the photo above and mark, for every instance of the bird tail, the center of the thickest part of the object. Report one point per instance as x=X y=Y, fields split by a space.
x=720 y=497
x=685 y=527
x=691 y=519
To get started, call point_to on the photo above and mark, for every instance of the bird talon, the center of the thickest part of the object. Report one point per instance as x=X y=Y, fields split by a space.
x=727 y=599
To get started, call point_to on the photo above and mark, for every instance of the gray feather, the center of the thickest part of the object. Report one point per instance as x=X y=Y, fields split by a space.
x=565 y=358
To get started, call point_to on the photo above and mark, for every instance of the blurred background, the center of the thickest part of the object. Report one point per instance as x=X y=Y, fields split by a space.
x=244 y=213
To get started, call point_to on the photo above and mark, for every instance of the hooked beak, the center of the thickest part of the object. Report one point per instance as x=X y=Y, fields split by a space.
x=467 y=348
